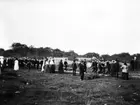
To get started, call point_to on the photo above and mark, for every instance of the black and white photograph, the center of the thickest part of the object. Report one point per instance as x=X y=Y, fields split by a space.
x=69 y=52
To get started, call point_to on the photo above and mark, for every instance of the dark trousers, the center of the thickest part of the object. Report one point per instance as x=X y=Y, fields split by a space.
x=65 y=67
x=74 y=71
x=125 y=76
x=82 y=76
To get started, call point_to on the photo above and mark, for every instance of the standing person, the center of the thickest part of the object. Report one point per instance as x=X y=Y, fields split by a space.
x=60 y=68
x=85 y=65
x=82 y=70
x=113 y=68
x=117 y=68
x=52 y=66
x=74 y=67
x=2 y=64
x=94 y=66
x=16 y=65
x=65 y=64
x=125 y=71
x=29 y=64
x=108 y=67
x=37 y=62
x=43 y=65
x=134 y=63
x=47 y=66
x=100 y=67
x=0 y=67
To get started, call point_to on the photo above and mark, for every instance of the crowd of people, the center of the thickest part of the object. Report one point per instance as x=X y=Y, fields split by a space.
x=48 y=65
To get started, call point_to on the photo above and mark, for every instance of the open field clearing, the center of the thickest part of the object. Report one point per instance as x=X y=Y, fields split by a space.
x=36 y=88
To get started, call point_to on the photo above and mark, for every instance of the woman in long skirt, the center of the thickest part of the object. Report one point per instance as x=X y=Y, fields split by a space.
x=43 y=66
x=47 y=67
x=16 y=65
x=52 y=66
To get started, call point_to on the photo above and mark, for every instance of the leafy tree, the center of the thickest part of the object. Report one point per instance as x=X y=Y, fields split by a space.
x=1 y=52
x=92 y=54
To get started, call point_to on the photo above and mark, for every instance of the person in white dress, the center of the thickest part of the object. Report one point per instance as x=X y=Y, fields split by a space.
x=43 y=66
x=125 y=71
x=16 y=65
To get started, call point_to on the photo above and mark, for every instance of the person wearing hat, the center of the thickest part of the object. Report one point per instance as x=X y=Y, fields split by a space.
x=74 y=67
x=117 y=68
x=60 y=67
x=65 y=64
x=82 y=70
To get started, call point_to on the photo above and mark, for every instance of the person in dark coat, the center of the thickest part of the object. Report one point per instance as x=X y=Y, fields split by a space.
x=94 y=66
x=85 y=65
x=52 y=66
x=108 y=67
x=60 y=68
x=29 y=65
x=41 y=63
x=82 y=70
x=133 y=64
x=113 y=68
x=37 y=62
x=65 y=65
x=74 y=67
x=117 y=68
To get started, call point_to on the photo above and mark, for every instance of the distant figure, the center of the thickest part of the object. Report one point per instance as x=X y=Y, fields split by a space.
x=113 y=68
x=0 y=68
x=125 y=71
x=134 y=64
x=43 y=65
x=82 y=70
x=60 y=68
x=52 y=66
x=94 y=66
x=29 y=65
x=1 y=64
x=16 y=65
x=65 y=64
x=117 y=68
x=85 y=65
x=108 y=67
x=74 y=67
x=37 y=62
x=47 y=66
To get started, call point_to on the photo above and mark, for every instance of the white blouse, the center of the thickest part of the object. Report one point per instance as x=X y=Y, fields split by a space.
x=124 y=69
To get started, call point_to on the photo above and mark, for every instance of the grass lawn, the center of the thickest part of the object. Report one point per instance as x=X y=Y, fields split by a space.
x=36 y=88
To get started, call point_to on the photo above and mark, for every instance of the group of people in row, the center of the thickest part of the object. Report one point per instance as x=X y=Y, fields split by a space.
x=111 y=67
x=48 y=65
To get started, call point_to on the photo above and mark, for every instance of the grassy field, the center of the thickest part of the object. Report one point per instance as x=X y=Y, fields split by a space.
x=36 y=88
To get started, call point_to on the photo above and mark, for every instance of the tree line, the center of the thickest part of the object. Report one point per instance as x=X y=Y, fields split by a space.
x=22 y=50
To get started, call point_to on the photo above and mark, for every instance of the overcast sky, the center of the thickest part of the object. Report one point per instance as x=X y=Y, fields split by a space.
x=102 y=26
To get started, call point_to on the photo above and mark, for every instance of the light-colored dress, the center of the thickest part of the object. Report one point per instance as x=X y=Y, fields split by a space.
x=43 y=66
x=124 y=69
x=16 y=65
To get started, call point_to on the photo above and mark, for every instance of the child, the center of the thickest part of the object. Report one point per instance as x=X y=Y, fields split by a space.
x=124 y=71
